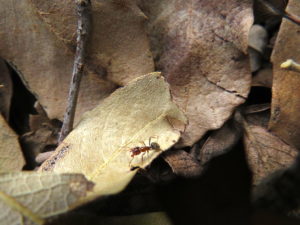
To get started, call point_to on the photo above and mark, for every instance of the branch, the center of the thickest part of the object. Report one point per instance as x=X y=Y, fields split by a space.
x=83 y=30
x=279 y=12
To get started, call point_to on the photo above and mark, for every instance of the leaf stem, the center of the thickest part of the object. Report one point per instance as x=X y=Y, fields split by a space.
x=83 y=30
x=291 y=65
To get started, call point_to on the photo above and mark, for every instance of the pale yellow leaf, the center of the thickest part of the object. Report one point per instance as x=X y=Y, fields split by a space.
x=11 y=156
x=30 y=197
x=99 y=147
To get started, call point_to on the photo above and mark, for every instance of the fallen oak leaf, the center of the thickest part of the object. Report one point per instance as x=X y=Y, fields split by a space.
x=265 y=152
x=100 y=146
x=31 y=197
x=48 y=78
x=201 y=47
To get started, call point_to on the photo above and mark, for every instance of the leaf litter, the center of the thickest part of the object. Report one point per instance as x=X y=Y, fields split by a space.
x=201 y=46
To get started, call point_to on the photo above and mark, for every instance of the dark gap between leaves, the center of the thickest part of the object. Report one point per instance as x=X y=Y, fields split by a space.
x=259 y=95
x=21 y=105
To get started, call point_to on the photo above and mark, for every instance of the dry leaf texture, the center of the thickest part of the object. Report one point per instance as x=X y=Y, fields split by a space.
x=43 y=61
x=6 y=90
x=183 y=163
x=11 y=156
x=119 y=42
x=200 y=46
x=220 y=141
x=100 y=146
x=285 y=118
x=30 y=197
x=266 y=153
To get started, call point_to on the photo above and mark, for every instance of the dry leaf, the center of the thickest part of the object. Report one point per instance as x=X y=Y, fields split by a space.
x=183 y=163
x=43 y=135
x=99 y=147
x=201 y=46
x=36 y=120
x=119 y=42
x=266 y=153
x=263 y=78
x=43 y=139
x=43 y=61
x=220 y=141
x=30 y=197
x=285 y=117
x=11 y=157
x=6 y=90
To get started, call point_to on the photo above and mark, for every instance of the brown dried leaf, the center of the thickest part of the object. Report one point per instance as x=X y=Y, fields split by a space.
x=119 y=42
x=11 y=157
x=220 y=141
x=43 y=61
x=183 y=163
x=36 y=120
x=100 y=146
x=201 y=46
x=266 y=153
x=6 y=90
x=263 y=78
x=39 y=141
x=285 y=117
x=30 y=197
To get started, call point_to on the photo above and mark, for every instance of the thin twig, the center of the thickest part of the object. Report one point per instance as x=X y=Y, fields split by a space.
x=279 y=12
x=83 y=30
x=291 y=65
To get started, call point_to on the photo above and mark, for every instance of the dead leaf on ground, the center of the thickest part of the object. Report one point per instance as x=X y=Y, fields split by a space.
x=266 y=153
x=183 y=163
x=99 y=147
x=201 y=47
x=220 y=141
x=37 y=39
x=42 y=140
x=36 y=120
x=30 y=197
x=119 y=41
x=11 y=156
x=285 y=117
x=6 y=90
x=263 y=78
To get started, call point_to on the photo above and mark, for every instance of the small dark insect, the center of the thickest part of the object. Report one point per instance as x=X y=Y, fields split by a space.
x=138 y=150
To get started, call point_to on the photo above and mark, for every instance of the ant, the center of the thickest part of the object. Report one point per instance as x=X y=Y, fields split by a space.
x=138 y=150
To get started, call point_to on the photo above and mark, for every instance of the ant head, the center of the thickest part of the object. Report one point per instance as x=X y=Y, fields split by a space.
x=155 y=146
